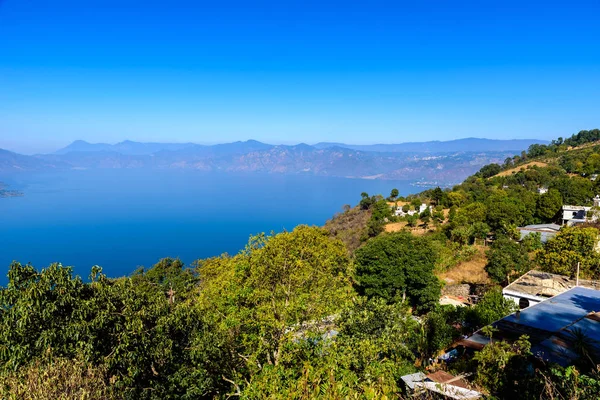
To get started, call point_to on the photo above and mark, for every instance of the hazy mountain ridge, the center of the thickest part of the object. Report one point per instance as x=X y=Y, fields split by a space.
x=332 y=159
x=467 y=144
x=436 y=146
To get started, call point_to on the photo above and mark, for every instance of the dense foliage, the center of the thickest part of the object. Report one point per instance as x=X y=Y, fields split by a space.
x=398 y=266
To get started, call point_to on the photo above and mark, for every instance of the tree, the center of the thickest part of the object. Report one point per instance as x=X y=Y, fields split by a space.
x=365 y=201
x=394 y=194
x=412 y=220
x=572 y=245
x=416 y=203
x=549 y=204
x=504 y=210
x=504 y=369
x=381 y=212
x=437 y=195
x=492 y=307
x=506 y=258
x=489 y=170
x=480 y=230
x=439 y=332
x=575 y=190
x=127 y=328
x=425 y=217
x=397 y=265
x=438 y=215
x=260 y=302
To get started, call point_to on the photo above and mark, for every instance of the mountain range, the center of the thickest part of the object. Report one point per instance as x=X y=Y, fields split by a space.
x=443 y=162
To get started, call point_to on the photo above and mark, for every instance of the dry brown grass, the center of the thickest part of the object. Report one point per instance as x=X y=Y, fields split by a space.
x=511 y=171
x=395 y=226
x=61 y=380
x=349 y=226
x=472 y=271
x=399 y=204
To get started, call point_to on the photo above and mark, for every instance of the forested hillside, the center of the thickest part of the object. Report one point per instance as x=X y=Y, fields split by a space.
x=336 y=312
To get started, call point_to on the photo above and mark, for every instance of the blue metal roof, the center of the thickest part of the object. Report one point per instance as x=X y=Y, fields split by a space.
x=550 y=324
x=559 y=311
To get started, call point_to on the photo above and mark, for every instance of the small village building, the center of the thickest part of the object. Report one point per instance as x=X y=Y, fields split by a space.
x=542 y=190
x=536 y=286
x=400 y=213
x=440 y=382
x=551 y=325
x=573 y=215
x=546 y=231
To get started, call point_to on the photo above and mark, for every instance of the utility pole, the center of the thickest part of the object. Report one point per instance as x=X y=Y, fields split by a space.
x=577 y=278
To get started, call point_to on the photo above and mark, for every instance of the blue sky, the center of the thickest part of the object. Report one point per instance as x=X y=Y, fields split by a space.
x=288 y=72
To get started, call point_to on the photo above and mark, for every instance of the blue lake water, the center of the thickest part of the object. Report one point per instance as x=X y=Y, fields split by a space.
x=122 y=219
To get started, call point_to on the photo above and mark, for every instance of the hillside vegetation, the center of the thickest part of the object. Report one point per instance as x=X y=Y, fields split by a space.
x=340 y=312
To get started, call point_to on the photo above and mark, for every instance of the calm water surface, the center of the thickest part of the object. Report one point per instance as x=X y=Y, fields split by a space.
x=122 y=219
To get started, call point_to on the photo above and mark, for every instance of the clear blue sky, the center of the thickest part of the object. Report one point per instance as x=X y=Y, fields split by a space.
x=287 y=72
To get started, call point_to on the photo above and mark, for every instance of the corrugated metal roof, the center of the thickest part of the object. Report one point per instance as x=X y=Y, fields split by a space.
x=552 y=227
x=551 y=324
x=411 y=379
x=545 y=284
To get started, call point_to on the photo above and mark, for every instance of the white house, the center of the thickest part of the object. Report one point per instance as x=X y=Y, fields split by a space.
x=422 y=207
x=579 y=214
x=546 y=231
x=542 y=190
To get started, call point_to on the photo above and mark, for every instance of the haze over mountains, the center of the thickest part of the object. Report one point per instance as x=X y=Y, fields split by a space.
x=438 y=161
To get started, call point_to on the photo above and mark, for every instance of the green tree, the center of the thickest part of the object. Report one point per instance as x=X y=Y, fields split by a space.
x=489 y=170
x=506 y=258
x=394 y=194
x=397 y=265
x=504 y=210
x=365 y=201
x=549 y=204
x=437 y=195
x=503 y=368
x=381 y=212
x=425 y=217
x=263 y=300
x=492 y=307
x=570 y=246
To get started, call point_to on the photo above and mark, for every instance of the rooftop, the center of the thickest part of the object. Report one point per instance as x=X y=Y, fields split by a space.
x=546 y=285
x=551 y=325
x=546 y=231
x=577 y=208
x=541 y=227
x=449 y=386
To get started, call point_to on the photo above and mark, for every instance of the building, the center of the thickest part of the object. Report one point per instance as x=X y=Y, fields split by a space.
x=440 y=382
x=542 y=190
x=573 y=215
x=400 y=213
x=546 y=231
x=554 y=327
x=536 y=286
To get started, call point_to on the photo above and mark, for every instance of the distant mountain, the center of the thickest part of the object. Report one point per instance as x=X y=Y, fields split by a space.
x=126 y=147
x=467 y=144
x=443 y=162
x=10 y=161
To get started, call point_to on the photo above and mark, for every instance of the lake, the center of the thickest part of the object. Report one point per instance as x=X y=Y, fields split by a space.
x=122 y=219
